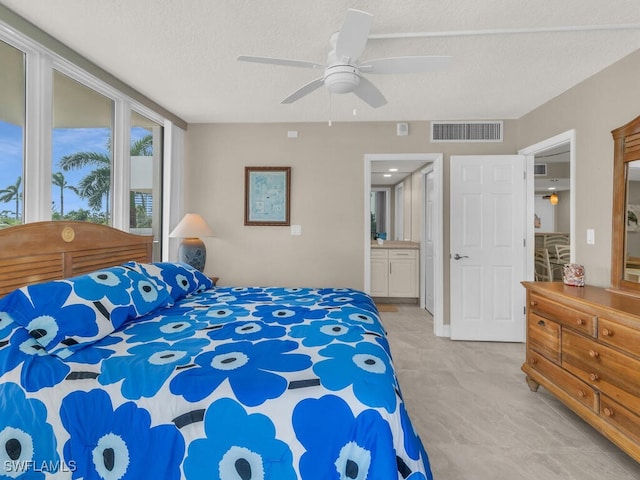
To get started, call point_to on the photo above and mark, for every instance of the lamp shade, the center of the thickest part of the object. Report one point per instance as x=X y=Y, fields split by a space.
x=553 y=199
x=192 y=250
x=192 y=226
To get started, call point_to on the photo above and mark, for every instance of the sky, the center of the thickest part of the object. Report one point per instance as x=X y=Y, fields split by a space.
x=66 y=141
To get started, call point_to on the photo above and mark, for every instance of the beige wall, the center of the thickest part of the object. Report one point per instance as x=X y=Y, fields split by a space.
x=328 y=182
x=327 y=197
x=593 y=108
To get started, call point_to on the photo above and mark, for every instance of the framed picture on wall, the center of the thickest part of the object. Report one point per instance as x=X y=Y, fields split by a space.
x=267 y=192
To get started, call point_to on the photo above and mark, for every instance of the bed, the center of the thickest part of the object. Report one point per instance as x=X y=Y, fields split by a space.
x=115 y=367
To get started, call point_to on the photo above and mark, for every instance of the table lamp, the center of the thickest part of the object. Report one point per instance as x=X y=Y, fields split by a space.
x=192 y=249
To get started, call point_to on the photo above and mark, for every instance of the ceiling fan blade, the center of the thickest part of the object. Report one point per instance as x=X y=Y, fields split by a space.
x=352 y=38
x=369 y=93
x=304 y=90
x=280 y=61
x=406 y=65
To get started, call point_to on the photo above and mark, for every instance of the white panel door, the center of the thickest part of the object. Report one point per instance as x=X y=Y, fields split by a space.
x=487 y=248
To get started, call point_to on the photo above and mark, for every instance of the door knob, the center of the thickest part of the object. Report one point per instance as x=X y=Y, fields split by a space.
x=457 y=256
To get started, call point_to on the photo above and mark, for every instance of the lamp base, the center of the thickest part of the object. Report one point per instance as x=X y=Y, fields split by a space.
x=193 y=252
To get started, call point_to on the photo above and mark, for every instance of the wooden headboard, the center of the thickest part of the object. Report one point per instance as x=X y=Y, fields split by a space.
x=41 y=251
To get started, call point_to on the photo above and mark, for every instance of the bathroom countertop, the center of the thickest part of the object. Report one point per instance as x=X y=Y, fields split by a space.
x=396 y=244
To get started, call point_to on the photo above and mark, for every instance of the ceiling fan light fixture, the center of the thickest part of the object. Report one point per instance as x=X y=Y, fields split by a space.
x=342 y=78
x=343 y=73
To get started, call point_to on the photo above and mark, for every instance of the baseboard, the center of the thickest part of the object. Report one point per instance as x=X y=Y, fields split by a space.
x=397 y=300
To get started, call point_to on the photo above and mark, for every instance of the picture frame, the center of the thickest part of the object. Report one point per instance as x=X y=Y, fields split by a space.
x=267 y=196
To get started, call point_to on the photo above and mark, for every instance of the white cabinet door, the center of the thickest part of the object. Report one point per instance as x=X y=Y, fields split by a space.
x=379 y=273
x=403 y=273
x=402 y=278
x=379 y=277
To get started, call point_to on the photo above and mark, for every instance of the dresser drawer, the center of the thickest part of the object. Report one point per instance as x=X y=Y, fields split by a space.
x=544 y=336
x=409 y=253
x=576 y=319
x=610 y=371
x=620 y=336
x=620 y=417
x=573 y=386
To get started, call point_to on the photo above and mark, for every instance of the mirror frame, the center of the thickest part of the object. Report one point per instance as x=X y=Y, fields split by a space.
x=626 y=149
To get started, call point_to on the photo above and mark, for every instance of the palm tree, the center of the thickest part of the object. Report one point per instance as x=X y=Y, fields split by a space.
x=59 y=181
x=11 y=193
x=142 y=147
x=96 y=185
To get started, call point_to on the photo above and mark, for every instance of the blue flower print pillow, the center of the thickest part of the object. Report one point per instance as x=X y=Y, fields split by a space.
x=181 y=279
x=66 y=315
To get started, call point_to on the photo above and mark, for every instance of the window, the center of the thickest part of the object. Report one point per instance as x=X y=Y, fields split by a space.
x=146 y=179
x=81 y=152
x=67 y=138
x=12 y=124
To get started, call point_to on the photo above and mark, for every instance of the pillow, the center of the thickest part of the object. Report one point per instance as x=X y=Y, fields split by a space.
x=66 y=315
x=180 y=279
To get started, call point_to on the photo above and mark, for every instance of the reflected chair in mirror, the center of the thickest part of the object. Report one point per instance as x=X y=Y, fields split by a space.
x=553 y=239
x=542 y=265
x=563 y=253
x=561 y=258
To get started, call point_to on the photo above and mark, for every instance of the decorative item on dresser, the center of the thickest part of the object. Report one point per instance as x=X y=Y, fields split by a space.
x=192 y=250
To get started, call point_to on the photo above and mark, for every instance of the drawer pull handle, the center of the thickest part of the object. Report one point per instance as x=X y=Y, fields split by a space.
x=580 y=321
x=534 y=361
x=594 y=354
x=606 y=332
x=581 y=394
x=608 y=412
x=533 y=303
x=541 y=323
x=594 y=377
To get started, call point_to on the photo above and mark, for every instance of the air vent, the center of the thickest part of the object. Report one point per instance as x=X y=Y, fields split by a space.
x=540 y=169
x=466 y=131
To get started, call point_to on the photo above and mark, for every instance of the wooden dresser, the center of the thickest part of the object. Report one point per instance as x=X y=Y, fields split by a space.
x=583 y=345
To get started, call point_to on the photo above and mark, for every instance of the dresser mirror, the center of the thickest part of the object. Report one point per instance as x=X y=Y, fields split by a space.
x=625 y=258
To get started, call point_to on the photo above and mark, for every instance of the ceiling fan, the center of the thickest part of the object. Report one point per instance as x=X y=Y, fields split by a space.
x=344 y=72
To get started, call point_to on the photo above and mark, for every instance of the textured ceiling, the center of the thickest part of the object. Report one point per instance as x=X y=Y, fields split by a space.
x=182 y=53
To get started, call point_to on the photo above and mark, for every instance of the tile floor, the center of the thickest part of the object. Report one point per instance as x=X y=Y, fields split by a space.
x=478 y=419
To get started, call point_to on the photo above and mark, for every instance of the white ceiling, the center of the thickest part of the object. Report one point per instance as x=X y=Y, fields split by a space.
x=182 y=53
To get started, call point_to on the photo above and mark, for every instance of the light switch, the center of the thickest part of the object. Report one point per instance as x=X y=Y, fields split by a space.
x=296 y=229
x=591 y=236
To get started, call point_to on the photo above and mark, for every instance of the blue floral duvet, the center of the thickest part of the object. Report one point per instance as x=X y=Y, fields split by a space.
x=216 y=383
